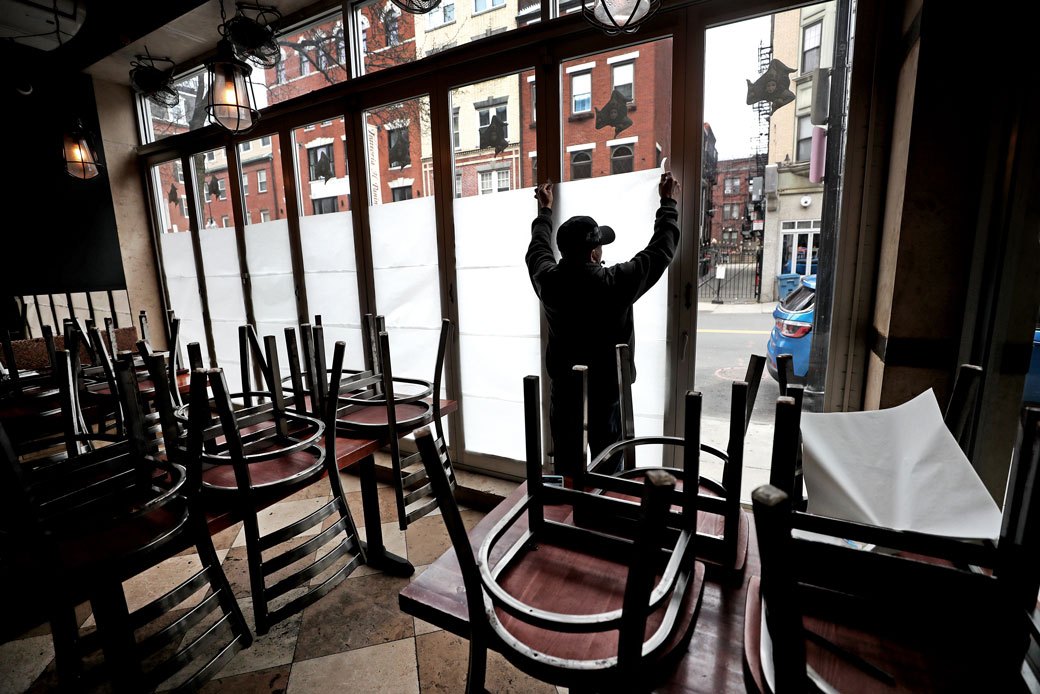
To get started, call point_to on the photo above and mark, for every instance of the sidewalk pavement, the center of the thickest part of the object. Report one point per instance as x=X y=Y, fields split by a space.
x=708 y=307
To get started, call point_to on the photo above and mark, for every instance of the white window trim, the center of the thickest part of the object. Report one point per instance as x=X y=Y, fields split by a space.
x=401 y=182
x=532 y=154
x=578 y=148
x=397 y=124
x=623 y=141
x=261 y=183
x=623 y=58
x=531 y=78
x=319 y=142
x=584 y=67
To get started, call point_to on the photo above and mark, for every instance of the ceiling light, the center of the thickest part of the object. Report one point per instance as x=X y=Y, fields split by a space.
x=81 y=155
x=618 y=16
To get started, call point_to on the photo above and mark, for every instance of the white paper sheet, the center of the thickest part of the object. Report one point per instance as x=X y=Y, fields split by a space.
x=898 y=468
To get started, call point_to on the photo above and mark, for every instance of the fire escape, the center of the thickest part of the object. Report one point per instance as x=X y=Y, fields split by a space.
x=760 y=149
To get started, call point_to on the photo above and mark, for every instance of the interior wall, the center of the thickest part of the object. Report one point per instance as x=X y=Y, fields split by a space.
x=60 y=232
x=116 y=109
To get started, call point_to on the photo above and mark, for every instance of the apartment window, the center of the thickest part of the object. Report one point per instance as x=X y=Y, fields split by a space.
x=314 y=155
x=397 y=139
x=279 y=72
x=621 y=159
x=534 y=103
x=534 y=171
x=441 y=15
x=245 y=184
x=484 y=5
x=341 y=49
x=581 y=93
x=732 y=185
x=484 y=119
x=804 y=148
x=305 y=63
x=324 y=205
x=222 y=187
x=812 y=36
x=211 y=155
x=581 y=165
x=364 y=40
x=265 y=141
x=458 y=184
x=224 y=221
x=323 y=58
x=455 y=137
x=494 y=181
x=246 y=146
x=265 y=215
x=261 y=181
x=731 y=210
x=402 y=193
x=249 y=218
x=392 y=30
x=184 y=206
x=624 y=75
x=178 y=172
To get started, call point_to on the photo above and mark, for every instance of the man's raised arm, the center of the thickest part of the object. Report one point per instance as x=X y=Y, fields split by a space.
x=636 y=276
x=540 y=256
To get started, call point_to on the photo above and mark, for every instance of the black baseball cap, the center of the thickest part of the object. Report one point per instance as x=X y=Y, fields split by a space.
x=579 y=235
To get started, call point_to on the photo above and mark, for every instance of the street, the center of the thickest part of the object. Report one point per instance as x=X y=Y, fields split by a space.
x=725 y=340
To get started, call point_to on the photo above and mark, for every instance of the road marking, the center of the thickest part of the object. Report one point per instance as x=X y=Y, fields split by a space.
x=735 y=332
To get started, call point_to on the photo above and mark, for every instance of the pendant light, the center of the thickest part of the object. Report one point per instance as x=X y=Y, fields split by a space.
x=230 y=99
x=417 y=6
x=618 y=16
x=81 y=155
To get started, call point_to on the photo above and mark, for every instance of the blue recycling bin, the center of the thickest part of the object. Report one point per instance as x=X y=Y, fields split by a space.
x=787 y=283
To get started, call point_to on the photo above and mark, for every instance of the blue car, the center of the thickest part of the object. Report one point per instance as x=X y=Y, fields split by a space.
x=1032 y=390
x=792 y=333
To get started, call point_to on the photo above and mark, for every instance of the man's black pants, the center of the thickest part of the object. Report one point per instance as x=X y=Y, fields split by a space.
x=565 y=424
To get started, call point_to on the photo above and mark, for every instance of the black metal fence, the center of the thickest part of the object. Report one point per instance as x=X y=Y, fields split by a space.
x=730 y=274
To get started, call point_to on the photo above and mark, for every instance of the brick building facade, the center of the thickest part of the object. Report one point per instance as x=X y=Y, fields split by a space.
x=733 y=212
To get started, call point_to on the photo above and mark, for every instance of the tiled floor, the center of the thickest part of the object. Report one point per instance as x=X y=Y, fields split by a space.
x=353 y=640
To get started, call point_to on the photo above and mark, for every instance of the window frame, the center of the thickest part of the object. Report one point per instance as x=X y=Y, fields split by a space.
x=631 y=64
x=804 y=52
x=616 y=157
x=314 y=154
x=799 y=140
x=585 y=74
x=261 y=183
x=587 y=162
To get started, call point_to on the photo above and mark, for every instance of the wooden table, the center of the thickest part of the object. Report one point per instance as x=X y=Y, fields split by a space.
x=349 y=452
x=713 y=665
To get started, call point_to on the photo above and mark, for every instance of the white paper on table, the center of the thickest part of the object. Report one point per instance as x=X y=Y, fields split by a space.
x=898 y=468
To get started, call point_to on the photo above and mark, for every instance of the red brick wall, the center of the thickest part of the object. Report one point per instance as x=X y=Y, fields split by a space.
x=732 y=168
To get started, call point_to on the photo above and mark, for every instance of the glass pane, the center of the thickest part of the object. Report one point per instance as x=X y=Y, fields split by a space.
x=314 y=55
x=189 y=113
x=327 y=234
x=177 y=253
x=391 y=37
x=638 y=133
x=499 y=316
x=404 y=233
x=267 y=238
x=220 y=261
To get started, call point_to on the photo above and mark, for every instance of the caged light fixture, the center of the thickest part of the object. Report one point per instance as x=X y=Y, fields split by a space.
x=82 y=159
x=417 y=6
x=614 y=17
x=230 y=99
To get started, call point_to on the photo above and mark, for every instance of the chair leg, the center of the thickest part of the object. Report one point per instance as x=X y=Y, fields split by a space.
x=254 y=555
x=477 y=666
x=219 y=582
x=117 y=638
x=65 y=634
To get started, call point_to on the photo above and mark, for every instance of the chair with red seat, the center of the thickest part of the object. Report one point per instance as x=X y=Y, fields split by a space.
x=254 y=454
x=104 y=516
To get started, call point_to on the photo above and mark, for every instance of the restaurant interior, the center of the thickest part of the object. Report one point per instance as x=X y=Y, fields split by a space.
x=274 y=406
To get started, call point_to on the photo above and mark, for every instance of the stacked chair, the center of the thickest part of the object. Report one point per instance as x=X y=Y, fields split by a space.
x=369 y=405
x=255 y=453
x=585 y=628
x=929 y=613
x=722 y=525
x=104 y=515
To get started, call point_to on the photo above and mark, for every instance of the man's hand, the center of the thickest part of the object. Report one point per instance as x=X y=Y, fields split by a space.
x=668 y=187
x=544 y=194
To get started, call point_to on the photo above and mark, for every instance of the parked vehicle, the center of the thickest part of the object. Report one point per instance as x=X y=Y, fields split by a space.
x=1032 y=389
x=792 y=332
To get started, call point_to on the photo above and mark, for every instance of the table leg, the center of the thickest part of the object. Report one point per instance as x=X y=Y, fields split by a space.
x=375 y=552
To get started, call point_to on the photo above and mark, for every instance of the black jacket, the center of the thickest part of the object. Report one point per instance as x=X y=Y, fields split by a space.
x=588 y=306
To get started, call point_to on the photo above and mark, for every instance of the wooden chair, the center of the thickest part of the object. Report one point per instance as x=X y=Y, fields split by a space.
x=584 y=627
x=257 y=452
x=722 y=525
x=371 y=406
x=92 y=521
x=930 y=613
